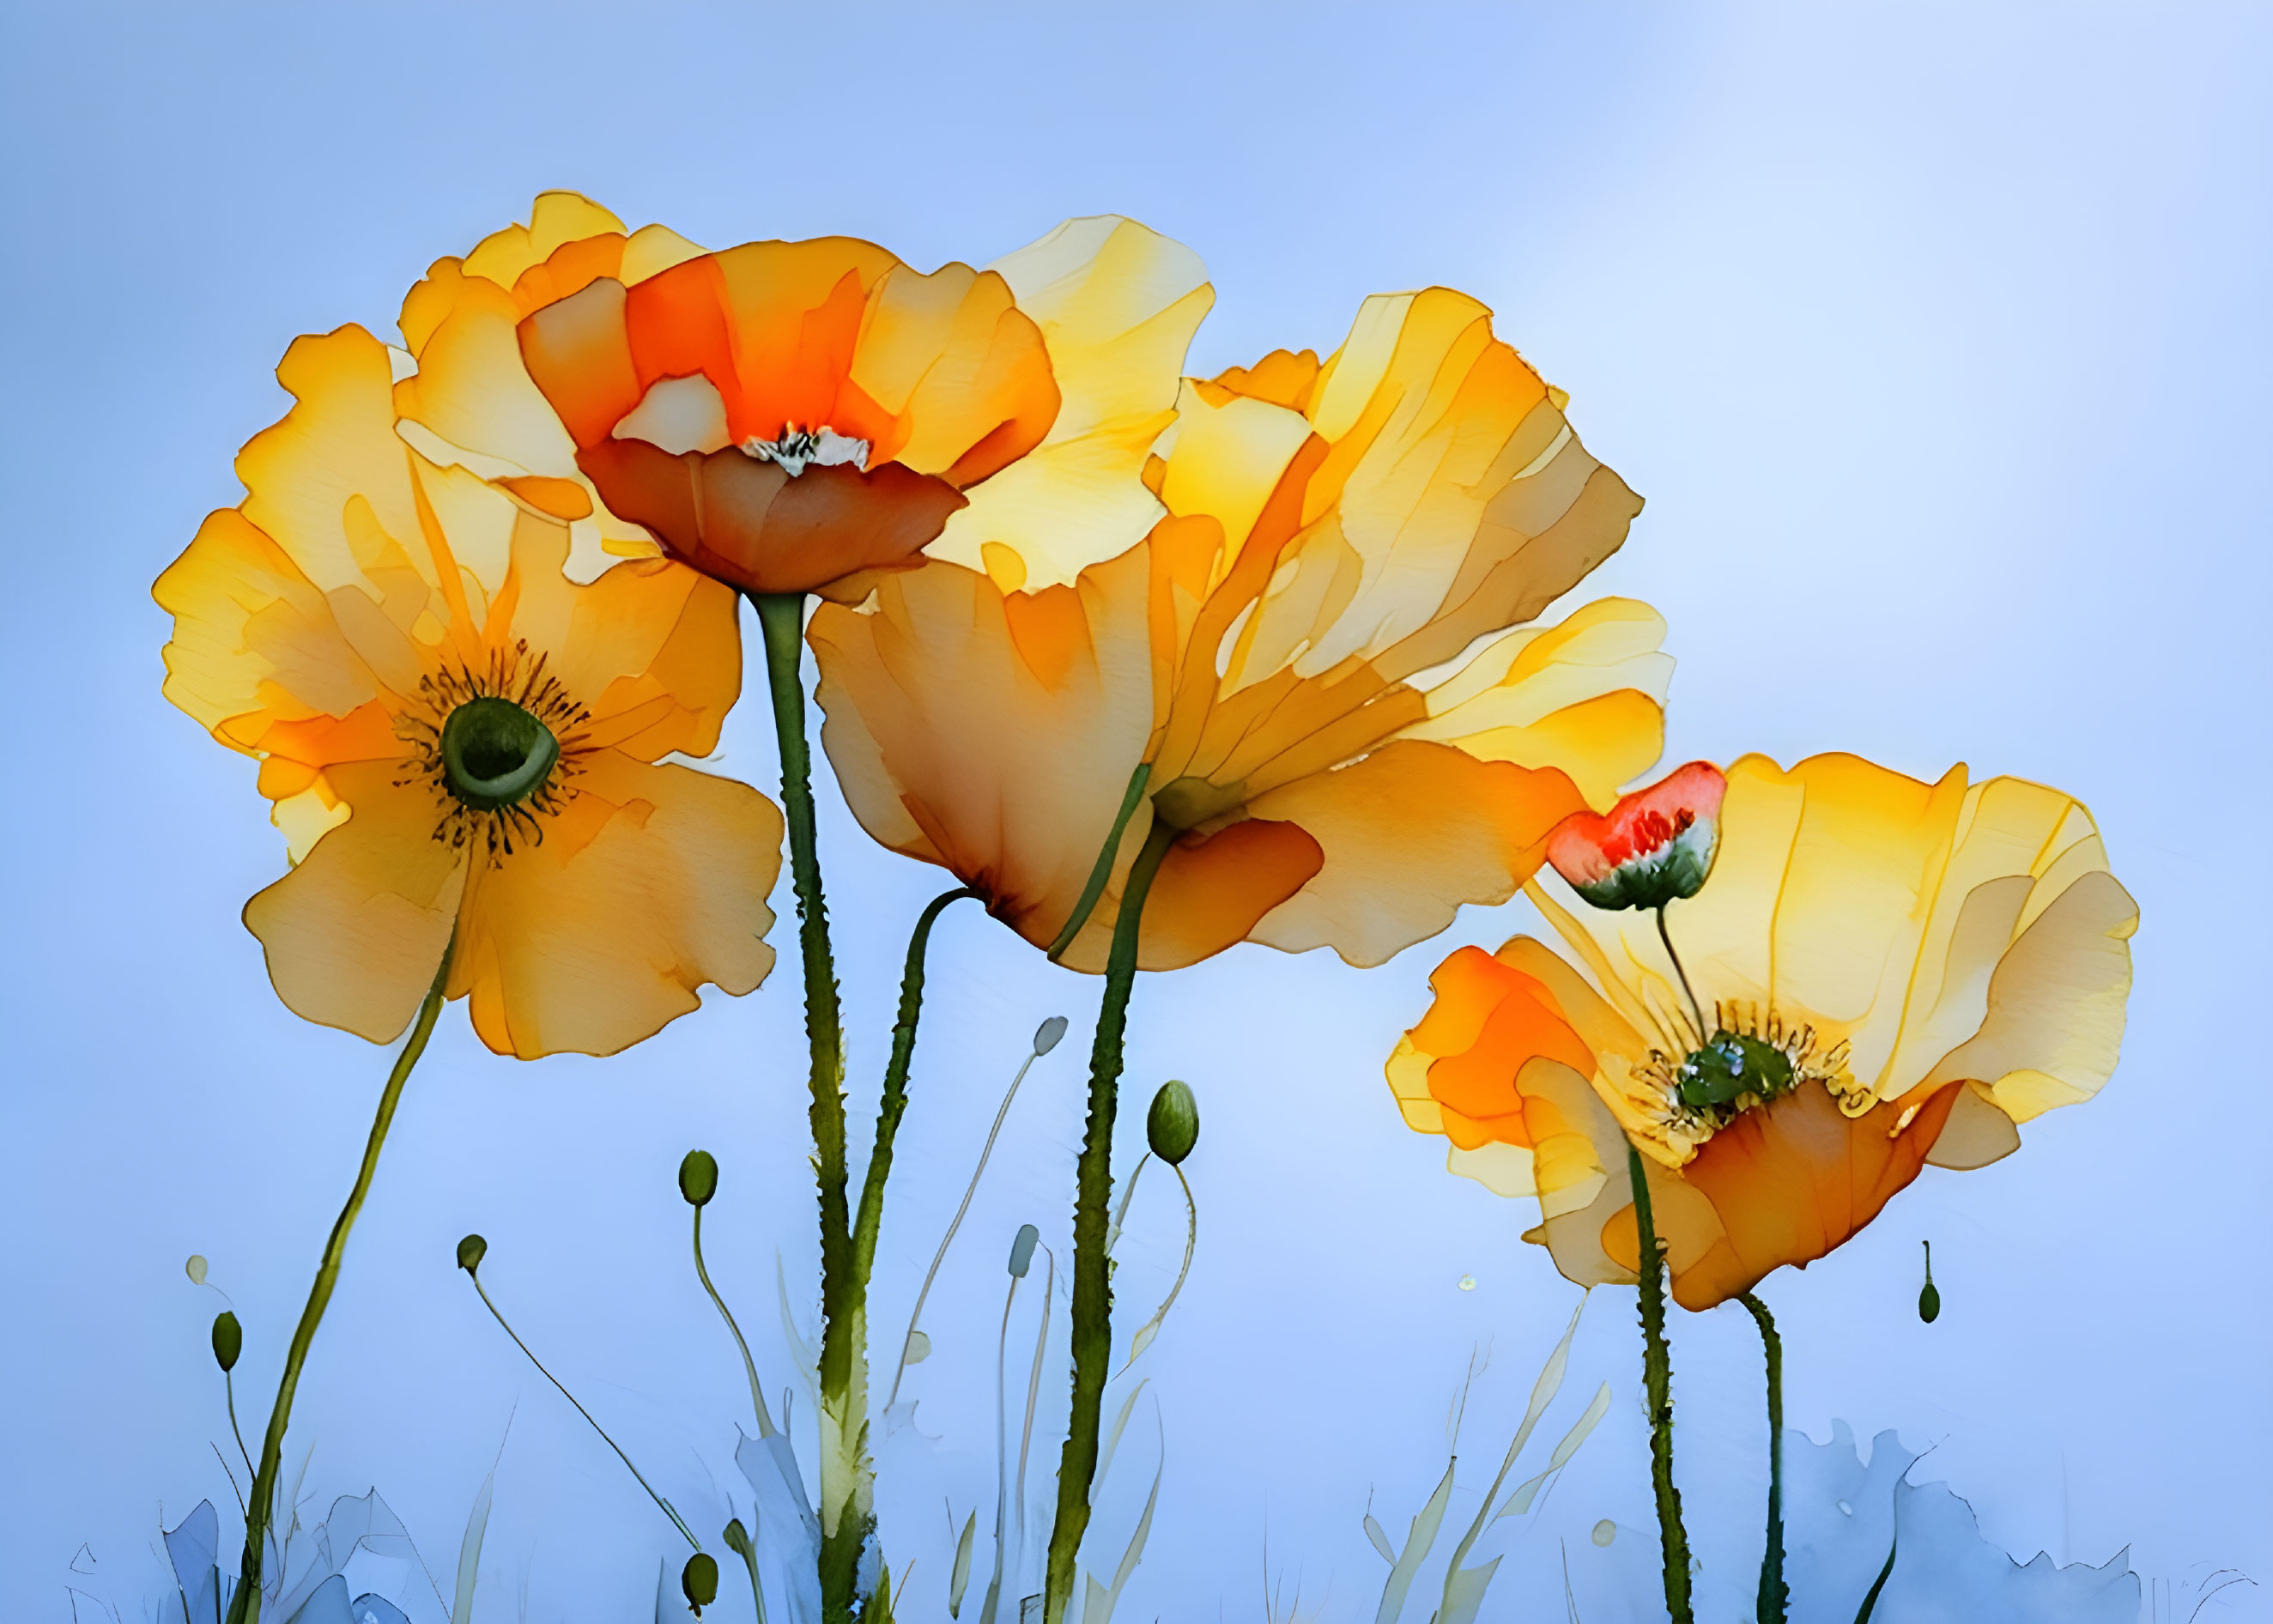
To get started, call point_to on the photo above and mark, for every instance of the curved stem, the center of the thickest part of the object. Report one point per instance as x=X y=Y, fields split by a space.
x=749 y=1364
x=1657 y=1379
x=908 y=1342
x=844 y=1511
x=1151 y=1327
x=662 y=1504
x=1775 y=1596
x=228 y=1388
x=1002 y=1455
x=1695 y=1010
x=891 y=1108
x=244 y=1608
x=1093 y=1285
x=1094 y=886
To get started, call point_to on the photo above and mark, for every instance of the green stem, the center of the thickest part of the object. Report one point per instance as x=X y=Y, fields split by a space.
x=1657 y=1377
x=1695 y=1010
x=1092 y=1286
x=1102 y=871
x=844 y=1517
x=665 y=1506
x=1775 y=1596
x=749 y=1365
x=244 y=1607
x=894 y=1103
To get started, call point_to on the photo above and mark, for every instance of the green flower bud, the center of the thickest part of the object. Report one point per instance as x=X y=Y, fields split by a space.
x=1929 y=1299
x=1171 y=1127
x=1021 y=1251
x=471 y=1250
x=738 y=1540
x=1048 y=1035
x=700 y=1580
x=227 y=1340
x=698 y=1178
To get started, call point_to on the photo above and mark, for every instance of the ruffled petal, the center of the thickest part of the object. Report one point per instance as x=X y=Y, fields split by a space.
x=993 y=734
x=1787 y=1182
x=1117 y=305
x=254 y=641
x=650 y=885
x=356 y=933
x=1408 y=835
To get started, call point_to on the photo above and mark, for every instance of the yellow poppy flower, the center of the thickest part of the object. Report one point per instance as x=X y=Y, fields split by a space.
x=459 y=740
x=1885 y=974
x=1300 y=651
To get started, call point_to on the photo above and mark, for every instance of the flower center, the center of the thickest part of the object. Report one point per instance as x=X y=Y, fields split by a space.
x=1752 y=1059
x=499 y=743
x=495 y=754
x=797 y=449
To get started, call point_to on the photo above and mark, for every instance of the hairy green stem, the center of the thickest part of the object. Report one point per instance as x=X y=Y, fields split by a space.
x=244 y=1607
x=1657 y=1379
x=663 y=1505
x=845 y=1518
x=1775 y=1596
x=894 y=1103
x=1093 y=1285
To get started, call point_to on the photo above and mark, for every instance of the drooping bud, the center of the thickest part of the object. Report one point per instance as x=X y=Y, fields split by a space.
x=471 y=1250
x=1171 y=1127
x=1929 y=1299
x=227 y=1340
x=1021 y=1251
x=1048 y=1035
x=1654 y=846
x=700 y=1580
x=195 y=1268
x=698 y=1178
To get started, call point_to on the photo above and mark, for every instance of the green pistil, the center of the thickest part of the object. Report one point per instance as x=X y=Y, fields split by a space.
x=495 y=754
x=1731 y=1066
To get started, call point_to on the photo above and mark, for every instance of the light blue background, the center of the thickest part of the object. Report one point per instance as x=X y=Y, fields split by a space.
x=1937 y=339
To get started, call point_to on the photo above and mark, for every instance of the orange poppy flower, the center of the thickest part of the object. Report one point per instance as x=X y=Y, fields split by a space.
x=1309 y=651
x=1886 y=974
x=787 y=416
x=460 y=742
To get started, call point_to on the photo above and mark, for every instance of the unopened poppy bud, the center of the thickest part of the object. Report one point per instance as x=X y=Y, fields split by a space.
x=1655 y=845
x=698 y=1178
x=471 y=1250
x=1171 y=1127
x=227 y=1340
x=1929 y=1299
x=1021 y=1251
x=700 y=1580
x=738 y=1540
x=195 y=1268
x=1047 y=1034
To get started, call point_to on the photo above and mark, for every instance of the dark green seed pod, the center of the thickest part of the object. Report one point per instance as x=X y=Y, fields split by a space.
x=471 y=1250
x=700 y=1580
x=1929 y=1299
x=227 y=1340
x=1171 y=1127
x=737 y=1539
x=698 y=1178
